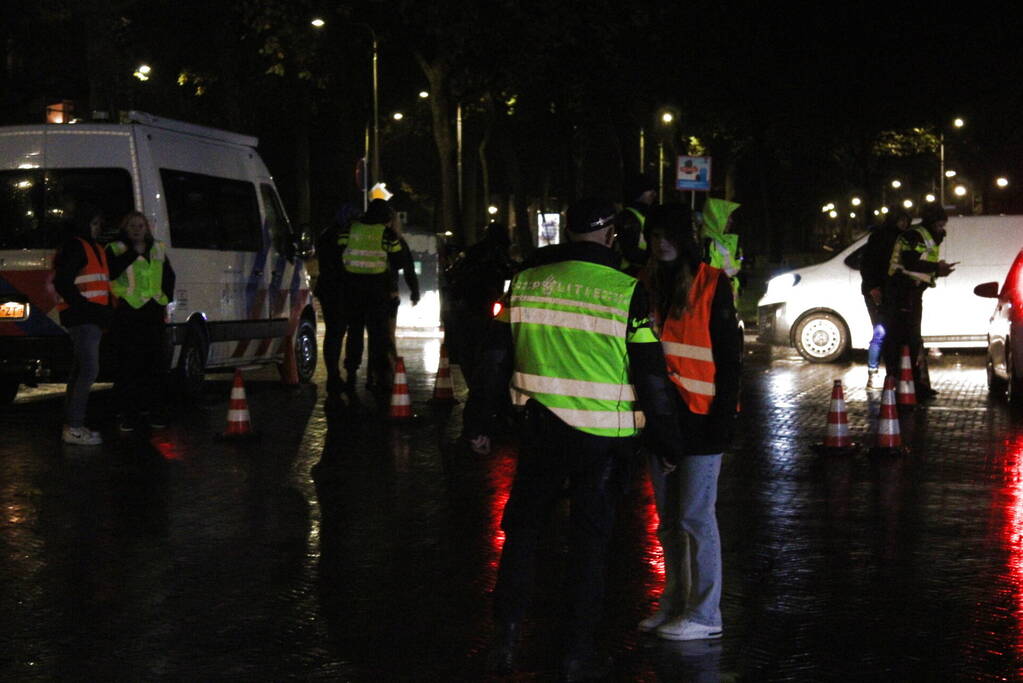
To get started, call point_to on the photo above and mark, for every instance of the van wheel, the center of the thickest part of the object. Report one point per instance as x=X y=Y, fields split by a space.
x=821 y=337
x=305 y=351
x=191 y=370
x=8 y=390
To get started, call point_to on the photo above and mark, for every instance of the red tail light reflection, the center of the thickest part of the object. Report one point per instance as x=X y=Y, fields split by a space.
x=497 y=308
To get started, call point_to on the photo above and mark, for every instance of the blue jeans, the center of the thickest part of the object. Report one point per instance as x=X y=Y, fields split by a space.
x=876 y=341
x=688 y=532
x=84 y=371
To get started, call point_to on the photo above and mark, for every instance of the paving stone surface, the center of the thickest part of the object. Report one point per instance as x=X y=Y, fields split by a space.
x=337 y=546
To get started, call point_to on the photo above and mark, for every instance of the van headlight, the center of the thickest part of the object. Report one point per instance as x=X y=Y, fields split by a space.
x=777 y=286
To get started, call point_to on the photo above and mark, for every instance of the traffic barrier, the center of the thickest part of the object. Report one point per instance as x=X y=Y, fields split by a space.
x=837 y=439
x=401 y=401
x=444 y=388
x=239 y=422
x=889 y=437
x=907 y=390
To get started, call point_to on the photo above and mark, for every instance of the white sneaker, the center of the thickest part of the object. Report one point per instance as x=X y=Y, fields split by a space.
x=654 y=620
x=80 y=436
x=684 y=629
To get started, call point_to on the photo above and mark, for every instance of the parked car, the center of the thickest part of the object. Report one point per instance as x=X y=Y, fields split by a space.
x=1005 y=333
x=820 y=311
x=242 y=294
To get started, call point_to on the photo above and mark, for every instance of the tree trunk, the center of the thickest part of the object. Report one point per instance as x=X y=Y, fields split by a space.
x=440 y=109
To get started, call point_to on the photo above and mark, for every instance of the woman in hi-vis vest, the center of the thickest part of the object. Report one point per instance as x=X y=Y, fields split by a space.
x=693 y=309
x=143 y=282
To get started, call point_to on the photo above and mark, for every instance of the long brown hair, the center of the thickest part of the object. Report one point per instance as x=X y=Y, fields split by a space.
x=669 y=281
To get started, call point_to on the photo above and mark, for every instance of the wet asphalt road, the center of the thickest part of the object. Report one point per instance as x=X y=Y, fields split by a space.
x=339 y=547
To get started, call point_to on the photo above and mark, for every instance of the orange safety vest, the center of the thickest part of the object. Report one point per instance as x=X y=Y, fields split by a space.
x=686 y=343
x=93 y=280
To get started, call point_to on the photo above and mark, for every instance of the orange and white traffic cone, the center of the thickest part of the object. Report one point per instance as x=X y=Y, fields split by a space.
x=444 y=388
x=837 y=438
x=889 y=437
x=239 y=423
x=401 y=401
x=907 y=390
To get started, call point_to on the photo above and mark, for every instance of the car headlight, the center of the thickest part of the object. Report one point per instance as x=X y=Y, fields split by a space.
x=777 y=286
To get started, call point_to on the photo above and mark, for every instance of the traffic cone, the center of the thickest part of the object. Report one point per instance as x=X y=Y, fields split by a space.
x=837 y=438
x=401 y=402
x=239 y=423
x=443 y=389
x=889 y=438
x=907 y=390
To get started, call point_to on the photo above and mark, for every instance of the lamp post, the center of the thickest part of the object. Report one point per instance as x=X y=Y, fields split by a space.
x=958 y=123
x=666 y=118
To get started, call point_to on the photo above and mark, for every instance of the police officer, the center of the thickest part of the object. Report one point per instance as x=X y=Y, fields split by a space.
x=640 y=195
x=722 y=246
x=914 y=266
x=143 y=281
x=575 y=343
x=369 y=249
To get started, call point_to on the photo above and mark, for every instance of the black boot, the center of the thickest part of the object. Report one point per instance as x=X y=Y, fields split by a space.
x=501 y=657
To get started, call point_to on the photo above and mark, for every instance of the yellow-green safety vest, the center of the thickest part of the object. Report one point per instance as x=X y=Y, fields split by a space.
x=570 y=325
x=642 y=223
x=929 y=251
x=364 y=252
x=143 y=279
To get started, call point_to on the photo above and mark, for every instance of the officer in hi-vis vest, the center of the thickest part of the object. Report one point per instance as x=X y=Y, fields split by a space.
x=143 y=282
x=915 y=265
x=369 y=249
x=640 y=195
x=574 y=343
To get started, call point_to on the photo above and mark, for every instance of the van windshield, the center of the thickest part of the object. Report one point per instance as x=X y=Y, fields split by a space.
x=37 y=206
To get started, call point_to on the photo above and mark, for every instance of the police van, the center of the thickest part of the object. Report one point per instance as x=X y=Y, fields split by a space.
x=820 y=311
x=242 y=295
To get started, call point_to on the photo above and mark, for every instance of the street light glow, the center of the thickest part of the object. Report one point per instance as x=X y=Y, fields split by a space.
x=397 y=116
x=423 y=94
x=884 y=209
x=960 y=190
x=852 y=214
x=833 y=214
x=1002 y=182
x=896 y=184
x=950 y=173
x=856 y=201
x=492 y=210
x=142 y=72
x=318 y=23
x=667 y=117
x=929 y=197
x=958 y=123
x=907 y=203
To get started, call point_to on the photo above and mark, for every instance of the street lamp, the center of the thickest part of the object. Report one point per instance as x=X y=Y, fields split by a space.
x=142 y=72
x=896 y=183
x=666 y=118
x=1002 y=182
x=318 y=23
x=958 y=123
x=397 y=116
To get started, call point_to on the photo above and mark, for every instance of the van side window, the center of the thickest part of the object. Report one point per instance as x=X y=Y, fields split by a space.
x=36 y=205
x=206 y=212
x=277 y=222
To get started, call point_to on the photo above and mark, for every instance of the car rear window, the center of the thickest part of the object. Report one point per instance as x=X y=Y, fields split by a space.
x=37 y=206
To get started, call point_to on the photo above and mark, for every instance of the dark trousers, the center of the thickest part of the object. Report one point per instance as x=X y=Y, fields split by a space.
x=551 y=453
x=140 y=342
x=333 y=334
x=904 y=330
x=373 y=315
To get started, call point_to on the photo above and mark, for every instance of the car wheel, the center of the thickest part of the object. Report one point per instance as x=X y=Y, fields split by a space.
x=191 y=370
x=1014 y=385
x=821 y=337
x=8 y=390
x=305 y=351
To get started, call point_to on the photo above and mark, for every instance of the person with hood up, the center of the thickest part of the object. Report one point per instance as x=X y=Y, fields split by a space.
x=693 y=310
x=82 y=279
x=722 y=247
x=914 y=267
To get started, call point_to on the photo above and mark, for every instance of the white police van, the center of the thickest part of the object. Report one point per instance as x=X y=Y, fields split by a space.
x=820 y=311
x=242 y=294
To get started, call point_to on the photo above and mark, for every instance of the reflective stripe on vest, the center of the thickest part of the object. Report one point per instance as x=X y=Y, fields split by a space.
x=687 y=345
x=93 y=280
x=929 y=252
x=569 y=322
x=363 y=249
x=142 y=281
x=642 y=223
x=724 y=254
